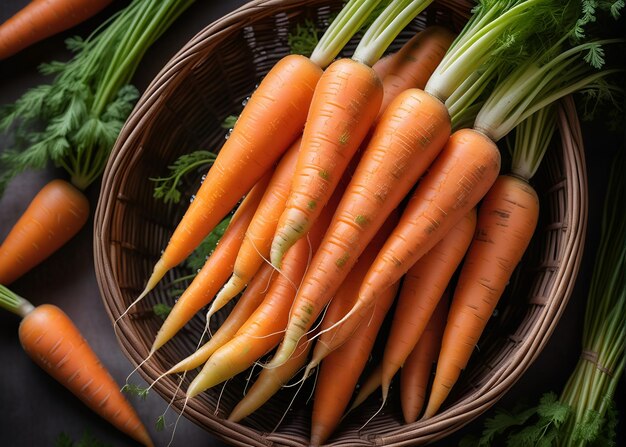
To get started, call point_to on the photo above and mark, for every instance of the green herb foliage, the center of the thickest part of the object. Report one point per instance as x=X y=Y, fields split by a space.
x=135 y=390
x=196 y=260
x=303 y=38
x=161 y=310
x=167 y=188
x=87 y=440
x=74 y=121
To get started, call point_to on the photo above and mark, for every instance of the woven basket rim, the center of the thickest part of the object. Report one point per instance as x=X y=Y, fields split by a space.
x=439 y=426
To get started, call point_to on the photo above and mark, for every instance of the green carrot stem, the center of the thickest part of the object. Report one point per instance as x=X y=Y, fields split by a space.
x=343 y=27
x=14 y=303
x=397 y=15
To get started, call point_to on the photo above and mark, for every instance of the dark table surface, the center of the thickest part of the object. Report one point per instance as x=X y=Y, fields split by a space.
x=35 y=409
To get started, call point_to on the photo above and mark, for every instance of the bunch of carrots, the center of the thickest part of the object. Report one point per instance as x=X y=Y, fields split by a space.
x=360 y=178
x=350 y=184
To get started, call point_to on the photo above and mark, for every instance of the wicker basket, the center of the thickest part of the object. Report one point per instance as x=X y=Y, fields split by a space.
x=182 y=111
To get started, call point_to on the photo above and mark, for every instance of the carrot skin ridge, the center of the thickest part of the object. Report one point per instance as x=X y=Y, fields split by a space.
x=39 y=20
x=416 y=372
x=346 y=101
x=56 y=213
x=54 y=343
x=409 y=136
x=341 y=370
x=507 y=219
x=460 y=176
x=279 y=106
x=216 y=269
x=422 y=288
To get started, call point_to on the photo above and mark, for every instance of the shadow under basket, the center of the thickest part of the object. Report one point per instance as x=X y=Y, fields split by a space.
x=182 y=111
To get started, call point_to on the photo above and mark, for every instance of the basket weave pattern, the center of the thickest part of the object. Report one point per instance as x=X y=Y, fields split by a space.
x=182 y=111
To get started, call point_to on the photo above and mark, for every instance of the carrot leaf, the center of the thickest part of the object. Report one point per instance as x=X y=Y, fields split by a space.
x=303 y=38
x=135 y=390
x=159 y=425
x=198 y=257
x=74 y=120
x=167 y=188
x=161 y=310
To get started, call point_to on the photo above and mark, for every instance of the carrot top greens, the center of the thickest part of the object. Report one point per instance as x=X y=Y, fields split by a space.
x=75 y=120
x=556 y=62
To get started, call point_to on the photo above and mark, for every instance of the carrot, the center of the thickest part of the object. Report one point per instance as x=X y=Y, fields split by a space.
x=345 y=104
x=460 y=176
x=215 y=271
x=247 y=304
x=341 y=369
x=368 y=386
x=54 y=343
x=399 y=151
x=506 y=221
x=44 y=18
x=54 y=216
x=269 y=382
x=344 y=298
x=413 y=64
x=271 y=120
x=263 y=330
x=255 y=247
x=416 y=372
x=346 y=101
x=422 y=288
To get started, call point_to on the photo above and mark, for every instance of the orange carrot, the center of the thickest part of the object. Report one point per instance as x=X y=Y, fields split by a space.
x=255 y=247
x=341 y=369
x=272 y=119
x=264 y=328
x=269 y=382
x=506 y=221
x=399 y=152
x=413 y=64
x=216 y=269
x=261 y=332
x=422 y=288
x=54 y=343
x=251 y=298
x=416 y=372
x=54 y=216
x=44 y=18
x=346 y=101
x=329 y=340
x=460 y=176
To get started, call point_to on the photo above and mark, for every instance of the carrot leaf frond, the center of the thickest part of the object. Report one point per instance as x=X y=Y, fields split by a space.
x=198 y=257
x=161 y=310
x=167 y=188
x=159 y=425
x=135 y=390
x=303 y=38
